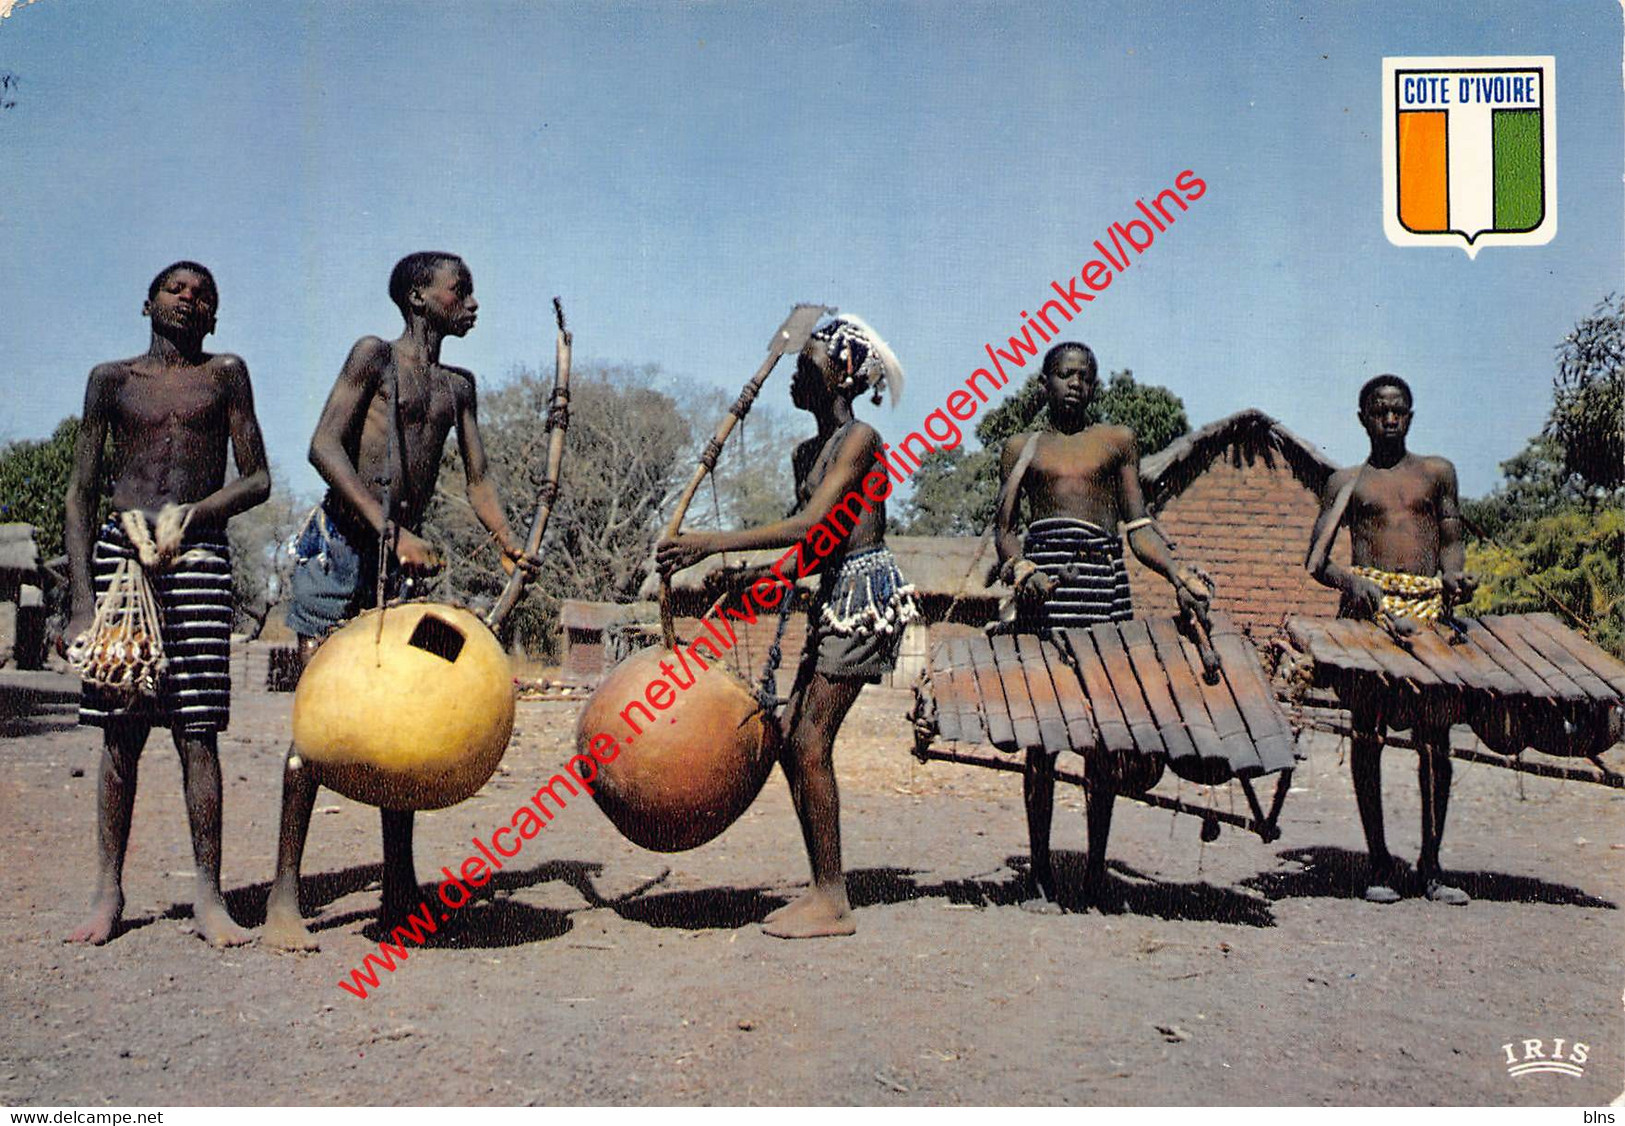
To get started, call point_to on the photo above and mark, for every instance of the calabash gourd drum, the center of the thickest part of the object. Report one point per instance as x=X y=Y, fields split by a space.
x=416 y=716
x=693 y=768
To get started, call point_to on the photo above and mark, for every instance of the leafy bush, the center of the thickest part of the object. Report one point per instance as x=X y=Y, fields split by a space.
x=34 y=485
x=1567 y=564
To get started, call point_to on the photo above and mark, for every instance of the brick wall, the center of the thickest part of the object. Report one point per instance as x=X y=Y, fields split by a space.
x=1249 y=528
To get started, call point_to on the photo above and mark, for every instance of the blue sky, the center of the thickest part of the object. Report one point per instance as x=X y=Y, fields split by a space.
x=681 y=173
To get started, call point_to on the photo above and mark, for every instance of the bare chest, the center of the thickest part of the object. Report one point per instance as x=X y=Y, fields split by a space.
x=189 y=399
x=1389 y=495
x=427 y=405
x=1063 y=462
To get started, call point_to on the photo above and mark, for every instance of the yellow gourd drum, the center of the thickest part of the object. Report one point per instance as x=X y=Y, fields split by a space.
x=416 y=716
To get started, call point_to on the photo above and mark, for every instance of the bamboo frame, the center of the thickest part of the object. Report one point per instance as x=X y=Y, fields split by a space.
x=791 y=336
x=558 y=423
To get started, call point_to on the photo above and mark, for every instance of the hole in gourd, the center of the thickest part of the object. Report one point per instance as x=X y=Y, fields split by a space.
x=434 y=635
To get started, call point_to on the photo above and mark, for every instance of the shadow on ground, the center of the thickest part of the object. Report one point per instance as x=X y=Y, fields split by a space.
x=1325 y=872
x=1127 y=891
x=27 y=710
x=493 y=919
x=488 y=920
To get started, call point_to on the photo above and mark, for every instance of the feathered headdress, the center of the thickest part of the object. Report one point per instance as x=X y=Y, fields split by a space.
x=866 y=361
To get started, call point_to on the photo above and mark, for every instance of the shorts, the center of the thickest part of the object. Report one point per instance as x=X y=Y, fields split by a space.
x=866 y=656
x=859 y=617
x=333 y=579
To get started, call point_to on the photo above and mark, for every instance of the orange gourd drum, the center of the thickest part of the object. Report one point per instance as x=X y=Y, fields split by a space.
x=688 y=774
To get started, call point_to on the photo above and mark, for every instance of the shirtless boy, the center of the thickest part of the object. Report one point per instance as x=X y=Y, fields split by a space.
x=856 y=623
x=171 y=413
x=1082 y=485
x=338 y=550
x=1404 y=525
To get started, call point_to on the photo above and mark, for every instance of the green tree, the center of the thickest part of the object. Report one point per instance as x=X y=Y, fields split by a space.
x=953 y=494
x=34 y=485
x=1533 y=484
x=1551 y=535
x=753 y=483
x=954 y=490
x=1588 y=407
x=1567 y=564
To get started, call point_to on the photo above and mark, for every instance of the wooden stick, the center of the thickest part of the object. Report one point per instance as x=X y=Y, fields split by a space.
x=996 y=708
x=1528 y=681
x=1080 y=723
x=558 y=422
x=945 y=707
x=1051 y=722
x=1183 y=685
x=1110 y=722
x=1125 y=686
x=973 y=724
x=1159 y=696
x=1395 y=663
x=791 y=337
x=1023 y=716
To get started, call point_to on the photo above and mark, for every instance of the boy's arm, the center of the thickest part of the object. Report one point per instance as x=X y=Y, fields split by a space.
x=342 y=418
x=1458 y=585
x=482 y=491
x=1023 y=576
x=83 y=493
x=1366 y=594
x=340 y=423
x=855 y=458
x=1145 y=540
x=1005 y=539
x=253 y=483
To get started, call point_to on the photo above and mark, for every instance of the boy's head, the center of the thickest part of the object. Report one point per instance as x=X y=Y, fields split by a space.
x=845 y=357
x=1071 y=376
x=438 y=286
x=1385 y=407
x=183 y=297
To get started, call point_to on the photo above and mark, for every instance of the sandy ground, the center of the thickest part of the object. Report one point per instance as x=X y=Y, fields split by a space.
x=1235 y=972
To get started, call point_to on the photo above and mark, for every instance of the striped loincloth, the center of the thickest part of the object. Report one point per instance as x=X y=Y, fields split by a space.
x=195 y=599
x=1087 y=565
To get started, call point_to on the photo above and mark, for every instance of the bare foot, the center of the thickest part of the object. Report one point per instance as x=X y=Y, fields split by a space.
x=1440 y=892
x=817 y=914
x=1041 y=905
x=1380 y=893
x=103 y=922
x=287 y=931
x=216 y=926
